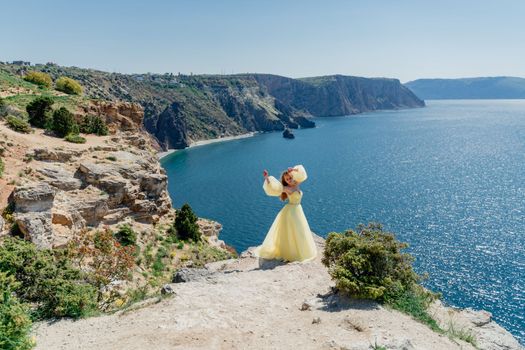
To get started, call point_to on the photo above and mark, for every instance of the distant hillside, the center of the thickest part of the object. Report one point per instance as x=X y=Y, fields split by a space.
x=469 y=88
x=180 y=109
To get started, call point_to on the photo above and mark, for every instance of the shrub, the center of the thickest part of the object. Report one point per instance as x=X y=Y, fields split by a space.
x=69 y=86
x=94 y=125
x=105 y=258
x=3 y=107
x=15 y=323
x=39 y=111
x=126 y=236
x=2 y=166
x=64 y=122
x=368 y=263
x=48 y=279
x=75 y=138
x=185 y=225
x=39 y=78
x=18 y=124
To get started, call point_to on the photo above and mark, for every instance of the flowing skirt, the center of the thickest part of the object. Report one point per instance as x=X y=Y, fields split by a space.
x=289 y=237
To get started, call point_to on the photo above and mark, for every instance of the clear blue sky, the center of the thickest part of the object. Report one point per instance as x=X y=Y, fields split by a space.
x=405 y=39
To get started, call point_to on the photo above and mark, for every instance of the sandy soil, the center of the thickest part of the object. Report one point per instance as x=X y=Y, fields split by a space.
x=249 y=304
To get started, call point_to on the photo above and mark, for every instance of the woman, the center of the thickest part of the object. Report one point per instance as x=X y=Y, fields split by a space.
x=289 y=237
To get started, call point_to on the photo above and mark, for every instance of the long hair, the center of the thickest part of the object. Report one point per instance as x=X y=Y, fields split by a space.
x=283 y=195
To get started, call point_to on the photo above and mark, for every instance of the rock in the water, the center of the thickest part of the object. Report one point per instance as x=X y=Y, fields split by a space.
x=287 y=134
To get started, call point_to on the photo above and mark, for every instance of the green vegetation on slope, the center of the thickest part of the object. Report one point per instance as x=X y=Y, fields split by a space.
x=369 y=263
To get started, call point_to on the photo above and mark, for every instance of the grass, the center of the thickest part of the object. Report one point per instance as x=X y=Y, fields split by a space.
x=415 y=304
x=464 y=334
x=74 y=138
x=18 y=124
x=375 y=346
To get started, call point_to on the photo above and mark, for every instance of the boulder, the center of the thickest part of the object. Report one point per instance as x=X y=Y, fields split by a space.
x=287 y=134
x=60 y=178
x=35 y=197
x=192 y=274
x=36 y=226
x=55 y=155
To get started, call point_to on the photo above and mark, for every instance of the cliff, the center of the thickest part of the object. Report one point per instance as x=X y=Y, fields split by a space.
x=338 y=95
x=469 y=88
x=250 y=303
x=181 y=109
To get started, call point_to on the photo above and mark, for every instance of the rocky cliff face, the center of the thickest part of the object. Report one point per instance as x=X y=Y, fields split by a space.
x=66 y=187
x=339 y=95
x=181 y=109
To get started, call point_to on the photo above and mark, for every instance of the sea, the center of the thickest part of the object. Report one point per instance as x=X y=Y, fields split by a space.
x=448 y=179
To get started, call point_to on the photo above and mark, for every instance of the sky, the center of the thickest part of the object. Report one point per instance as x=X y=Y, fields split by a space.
x=404 y=39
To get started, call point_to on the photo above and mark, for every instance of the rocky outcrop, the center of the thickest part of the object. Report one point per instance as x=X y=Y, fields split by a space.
x=65 y=188
x=93 y=189
x=251 y=303
x=287 y=134
x=118 y=115
x=338 y=95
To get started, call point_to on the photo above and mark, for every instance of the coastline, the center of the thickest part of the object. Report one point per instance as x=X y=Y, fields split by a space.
x=162 y=155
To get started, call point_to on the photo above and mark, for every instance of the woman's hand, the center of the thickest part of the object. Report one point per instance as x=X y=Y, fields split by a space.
x=265 y=173
x=292 y=169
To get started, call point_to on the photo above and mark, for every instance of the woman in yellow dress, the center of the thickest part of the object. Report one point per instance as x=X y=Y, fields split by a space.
x=289 y=237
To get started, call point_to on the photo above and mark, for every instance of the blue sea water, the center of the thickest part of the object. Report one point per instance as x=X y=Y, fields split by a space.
x=449 y=179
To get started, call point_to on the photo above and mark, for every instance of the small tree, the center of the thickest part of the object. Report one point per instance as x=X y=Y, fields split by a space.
x=186 y=224
x=126 y=236
x=63 y=122
x=39 y=111
x=94 y=125
x=39 y=78
x=3 y=106
x=69 y=86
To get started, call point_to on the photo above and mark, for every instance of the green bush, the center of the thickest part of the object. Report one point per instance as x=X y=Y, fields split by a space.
x=185 y=225
x=3 y=107
x=2 y=166
x=368 y=263
x=39 y=111
x=69 y=86
x=74 y=138
x=47 y=279
x=64 y=122
x=18 y=124
x=15 y=322
x=94 y=125
x=126 y=236
x=39 y=78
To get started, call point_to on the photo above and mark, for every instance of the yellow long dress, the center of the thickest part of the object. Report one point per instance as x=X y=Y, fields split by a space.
x=289 y=237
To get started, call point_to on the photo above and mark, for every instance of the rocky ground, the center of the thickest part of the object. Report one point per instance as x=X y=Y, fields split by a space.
x=59 y=188
x=249 y=303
